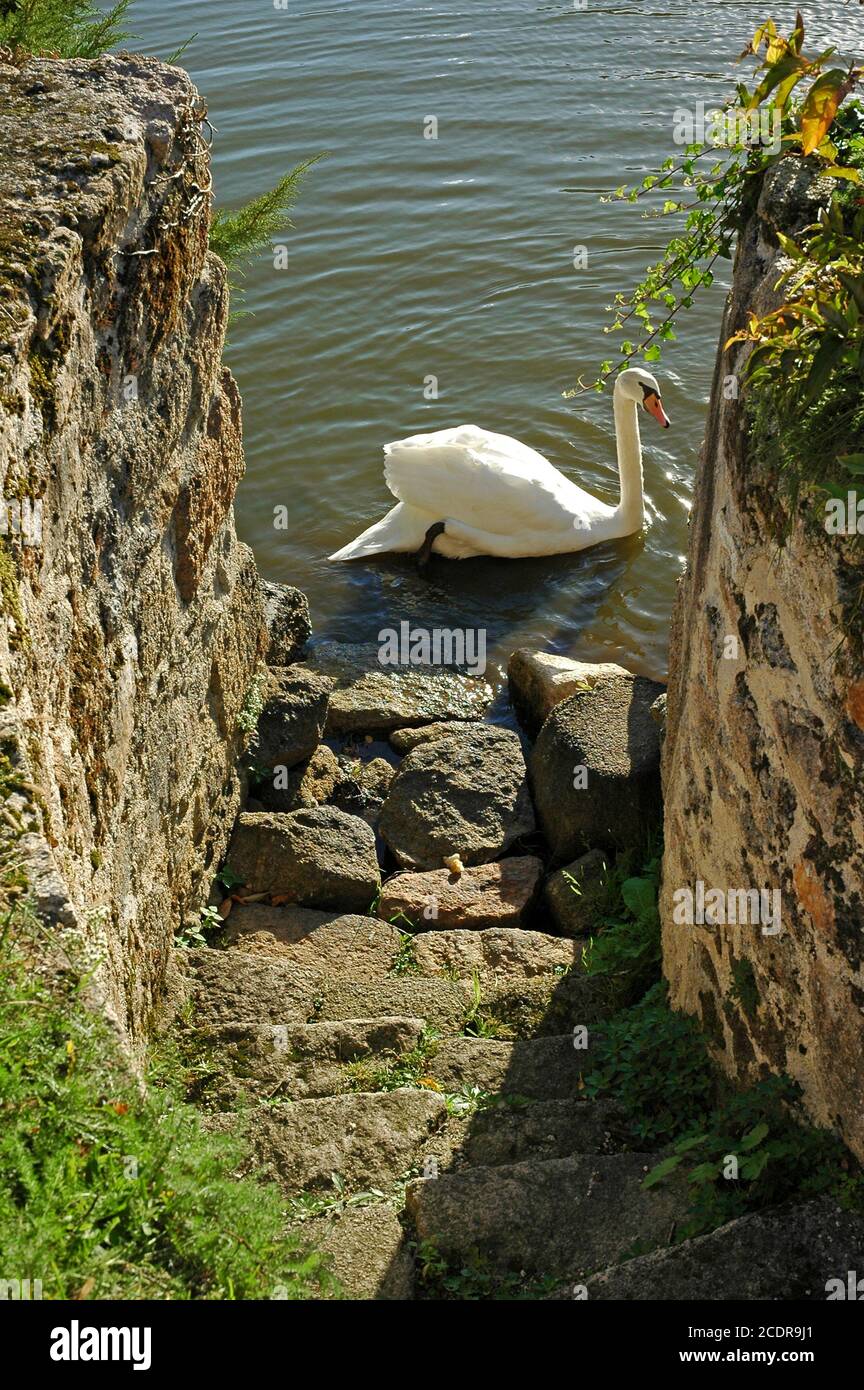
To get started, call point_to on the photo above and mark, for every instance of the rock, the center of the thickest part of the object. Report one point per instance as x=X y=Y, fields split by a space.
x=361 y=947
x=563 y=1216
x=442 y=1004
x=403 y=740
x=315 y=858
x=538 y=681
x=466 y=796
x=369 y=697
x=292 y=720
x=311 y=783
x=141 y=621
x=792 y=1253
x=368 y=1141
x=232 y=987
x=571 y=893
x=496 y=952
x=296 y=1062
x=546 y=1129
x=487 y=895
x=286 y=613
x=366 y=1251
x=607 y=739
x=544 y=1005
x=534 y=1068
x=362 y=788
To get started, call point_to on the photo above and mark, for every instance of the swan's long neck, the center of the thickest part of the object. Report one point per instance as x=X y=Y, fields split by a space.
x=630 y=509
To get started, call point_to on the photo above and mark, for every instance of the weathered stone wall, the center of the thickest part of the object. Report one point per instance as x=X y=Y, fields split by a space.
x=139 y=617
x=763 y=752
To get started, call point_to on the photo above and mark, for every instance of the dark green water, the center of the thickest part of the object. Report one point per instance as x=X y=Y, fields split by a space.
x=453 y=258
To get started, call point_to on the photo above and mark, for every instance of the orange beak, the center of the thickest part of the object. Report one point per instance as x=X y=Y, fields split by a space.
x=653 y=403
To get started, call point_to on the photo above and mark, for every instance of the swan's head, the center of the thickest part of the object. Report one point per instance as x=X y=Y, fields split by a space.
x=640 y=386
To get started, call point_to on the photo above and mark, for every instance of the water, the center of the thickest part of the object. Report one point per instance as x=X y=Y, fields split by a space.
x=453 y=258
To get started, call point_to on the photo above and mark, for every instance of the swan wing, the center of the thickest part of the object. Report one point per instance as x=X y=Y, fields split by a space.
x=484 y=480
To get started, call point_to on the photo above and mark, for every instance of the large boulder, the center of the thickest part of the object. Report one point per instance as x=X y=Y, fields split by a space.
x=286 y=613
x=487 y=895
x=539 y=681
x=369 y=696
x=315 y=858
x=292 y=721
x=595 y=768
x=467 y=796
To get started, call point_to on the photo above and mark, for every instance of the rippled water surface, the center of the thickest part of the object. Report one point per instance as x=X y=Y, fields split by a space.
x=454 y=258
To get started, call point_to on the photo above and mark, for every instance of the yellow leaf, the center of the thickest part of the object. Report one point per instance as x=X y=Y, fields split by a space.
x=820 y=107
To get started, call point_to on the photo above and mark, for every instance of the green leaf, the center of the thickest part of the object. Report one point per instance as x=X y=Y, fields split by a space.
x=755 y=1137
x=640 y=895
x=662 y=1171
x=824 y=362
x=855 y=285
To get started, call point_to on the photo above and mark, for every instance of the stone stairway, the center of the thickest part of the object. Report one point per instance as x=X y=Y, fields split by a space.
x=418 y=1095
x=350 y=1056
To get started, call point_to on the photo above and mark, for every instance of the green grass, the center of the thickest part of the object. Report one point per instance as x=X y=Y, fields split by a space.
x=108 y=1191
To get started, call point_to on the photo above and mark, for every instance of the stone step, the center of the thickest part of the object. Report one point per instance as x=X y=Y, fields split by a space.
x=795 y=1253
x=248 y=987
x=234 y=987
x=366 y=1141
x=496 y=953
x=535 y=1068
x=296 y=1061
x=542 y=1129
x=563 y=1217
x=366 y=948
x=333 y=943
x=442 y=1003
x=366 y=1251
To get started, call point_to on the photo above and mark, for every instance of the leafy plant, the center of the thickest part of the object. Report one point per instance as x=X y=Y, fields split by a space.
x=476 y=1023
x=654 y=1063
x=109 y=1191
x=624 y=947
x=714 y=183
x=405 y=960
x=756 y=1153
x=253 y=703
x=309 y=1205
x=408 y=1069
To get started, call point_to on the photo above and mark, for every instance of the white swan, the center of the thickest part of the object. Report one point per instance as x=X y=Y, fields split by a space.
x=465 y=492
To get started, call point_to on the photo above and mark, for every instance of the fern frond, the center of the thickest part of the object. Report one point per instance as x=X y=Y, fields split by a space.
x=235 y=236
